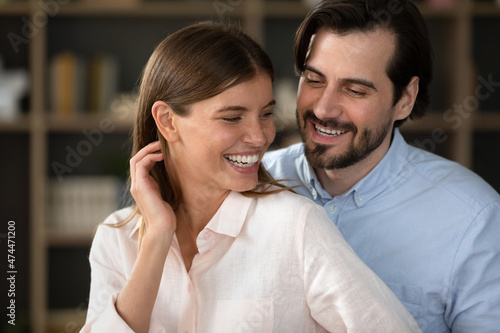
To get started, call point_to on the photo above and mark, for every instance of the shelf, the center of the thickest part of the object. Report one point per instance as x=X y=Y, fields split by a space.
x=66 y=320
x=428 y=123
x=433 y=11
x=68 y=238
x=173 y=9
x=21 y=124
x=298 y=10
x=486 y=9
x=272 y=9
x=280 y=9
x=107 y=123
x=486 y=121
x=15 y=8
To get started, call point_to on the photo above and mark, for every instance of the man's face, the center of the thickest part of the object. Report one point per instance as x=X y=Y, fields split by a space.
x=345 y=106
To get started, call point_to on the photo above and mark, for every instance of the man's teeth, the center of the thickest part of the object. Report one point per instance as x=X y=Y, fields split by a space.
x=326 y=132
x=244 y=161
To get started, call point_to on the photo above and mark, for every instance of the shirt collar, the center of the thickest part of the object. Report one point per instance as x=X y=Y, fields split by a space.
x=231 y=216
x=228 y=220
x=310 y=178
x=135 y=229
x=384 y=173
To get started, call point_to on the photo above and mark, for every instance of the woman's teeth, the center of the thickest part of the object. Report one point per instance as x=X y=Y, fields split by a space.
x=244 y=161
x=326 y=132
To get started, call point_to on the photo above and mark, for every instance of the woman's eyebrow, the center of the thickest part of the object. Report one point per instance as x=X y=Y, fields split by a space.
x=243 y=108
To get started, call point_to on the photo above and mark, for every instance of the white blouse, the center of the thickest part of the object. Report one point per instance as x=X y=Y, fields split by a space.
x=267 y=264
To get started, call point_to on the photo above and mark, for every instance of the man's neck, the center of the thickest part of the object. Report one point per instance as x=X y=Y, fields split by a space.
x=339 y=181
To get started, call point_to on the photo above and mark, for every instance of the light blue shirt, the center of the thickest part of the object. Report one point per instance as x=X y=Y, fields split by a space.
x=427 y=226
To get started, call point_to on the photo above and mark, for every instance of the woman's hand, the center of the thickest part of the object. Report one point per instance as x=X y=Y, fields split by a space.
x=156 y=213
x=136 y=301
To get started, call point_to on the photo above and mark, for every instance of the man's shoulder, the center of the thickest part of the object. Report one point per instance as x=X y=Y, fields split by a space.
x=296 y=149
x=287 y=163
x=452 y=177
x=284 y=155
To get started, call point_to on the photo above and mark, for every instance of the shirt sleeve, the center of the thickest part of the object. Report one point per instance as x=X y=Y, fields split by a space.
x=107 y=281
x=473 y=302
x=343 y=294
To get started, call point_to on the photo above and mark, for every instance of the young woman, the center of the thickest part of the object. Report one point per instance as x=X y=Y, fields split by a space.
x=213 y=244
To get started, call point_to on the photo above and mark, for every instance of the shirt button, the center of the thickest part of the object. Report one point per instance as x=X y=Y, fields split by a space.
x=360 y=199
x=331 y=209
x=313 y=192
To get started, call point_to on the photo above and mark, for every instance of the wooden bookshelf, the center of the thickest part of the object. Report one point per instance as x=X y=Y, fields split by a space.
x=39 y=123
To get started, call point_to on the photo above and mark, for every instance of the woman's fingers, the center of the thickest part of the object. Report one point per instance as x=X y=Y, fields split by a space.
x=148 y=149
x=145 y=190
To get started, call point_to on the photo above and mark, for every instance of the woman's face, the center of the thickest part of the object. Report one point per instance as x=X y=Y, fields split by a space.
x=222 y=140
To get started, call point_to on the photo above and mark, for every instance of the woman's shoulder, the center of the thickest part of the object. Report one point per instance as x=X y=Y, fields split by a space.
x=287 y=203
x=287 y=196
x=122 y=221
x=119 y=216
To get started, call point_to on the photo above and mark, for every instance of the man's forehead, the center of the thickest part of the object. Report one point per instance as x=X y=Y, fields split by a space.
x=377 y=43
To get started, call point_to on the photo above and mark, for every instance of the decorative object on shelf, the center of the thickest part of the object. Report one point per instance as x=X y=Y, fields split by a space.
x=14 y=84
x=79 y=203
x=124 y=108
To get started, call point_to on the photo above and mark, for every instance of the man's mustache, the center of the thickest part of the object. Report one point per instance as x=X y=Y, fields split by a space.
x=331 y=123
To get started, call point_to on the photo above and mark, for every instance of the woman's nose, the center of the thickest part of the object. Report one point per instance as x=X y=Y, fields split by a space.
x=258 y=133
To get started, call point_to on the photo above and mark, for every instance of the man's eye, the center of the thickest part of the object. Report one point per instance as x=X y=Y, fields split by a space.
x=231 y=119
x=357 y=93
x=312 y=79
x=266 y=114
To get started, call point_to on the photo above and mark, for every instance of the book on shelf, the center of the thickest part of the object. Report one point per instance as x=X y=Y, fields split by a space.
x=82 y=85
x=79 y=203
x=102 y=83
x=67 y=83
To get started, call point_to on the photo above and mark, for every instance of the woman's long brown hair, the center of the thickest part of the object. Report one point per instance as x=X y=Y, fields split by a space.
x=191 y=65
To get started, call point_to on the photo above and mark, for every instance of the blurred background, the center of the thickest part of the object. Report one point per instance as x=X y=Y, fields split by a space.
x=69 y=71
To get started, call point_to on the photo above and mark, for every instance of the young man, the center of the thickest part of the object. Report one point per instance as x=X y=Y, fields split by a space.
x=427 y=226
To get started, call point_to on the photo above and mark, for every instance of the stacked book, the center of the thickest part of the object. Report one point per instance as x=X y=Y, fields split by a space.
x=82 y=85
x=79 y=203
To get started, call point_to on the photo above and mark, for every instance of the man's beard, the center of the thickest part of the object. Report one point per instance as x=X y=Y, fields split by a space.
x=368 y=141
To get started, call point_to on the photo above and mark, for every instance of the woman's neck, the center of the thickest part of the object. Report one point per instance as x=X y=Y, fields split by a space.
x=193 y=215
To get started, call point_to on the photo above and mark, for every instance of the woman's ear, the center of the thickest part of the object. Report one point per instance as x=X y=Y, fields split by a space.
x=408 y=98
x=165 y=118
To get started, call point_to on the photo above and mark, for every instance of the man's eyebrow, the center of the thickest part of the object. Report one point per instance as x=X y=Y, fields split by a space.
x=314 y=70
x=360 y=81
x=242 y=108
x=271 y=103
